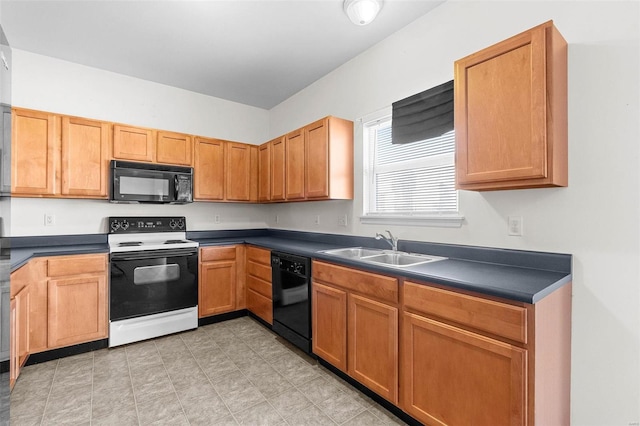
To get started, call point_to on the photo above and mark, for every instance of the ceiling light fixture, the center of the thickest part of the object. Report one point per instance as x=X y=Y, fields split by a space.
x=362 y=12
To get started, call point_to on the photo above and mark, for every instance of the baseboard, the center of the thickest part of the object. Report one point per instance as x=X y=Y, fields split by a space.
x=40 y=357
x=222 y=317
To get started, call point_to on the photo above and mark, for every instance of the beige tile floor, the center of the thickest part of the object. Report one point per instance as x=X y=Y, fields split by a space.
x=234 y=372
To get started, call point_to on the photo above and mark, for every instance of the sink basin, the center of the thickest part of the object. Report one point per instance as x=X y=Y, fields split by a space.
x=397 y=259
x=354 y=252
x=402 y=259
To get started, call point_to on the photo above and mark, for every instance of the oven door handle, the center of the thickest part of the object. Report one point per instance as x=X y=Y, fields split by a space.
x=153 y=254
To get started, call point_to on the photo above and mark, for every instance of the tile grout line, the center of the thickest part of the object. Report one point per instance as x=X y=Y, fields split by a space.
x=135 y=400
x=44 y=412
x=93 y=369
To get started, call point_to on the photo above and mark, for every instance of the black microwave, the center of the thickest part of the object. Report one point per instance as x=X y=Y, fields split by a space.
x=150 y=183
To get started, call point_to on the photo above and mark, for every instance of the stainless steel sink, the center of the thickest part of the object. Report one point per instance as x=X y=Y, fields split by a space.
x=398 y=259
x=354 y=252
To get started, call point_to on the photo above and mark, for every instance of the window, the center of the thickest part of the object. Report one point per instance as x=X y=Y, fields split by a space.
x=411 y=183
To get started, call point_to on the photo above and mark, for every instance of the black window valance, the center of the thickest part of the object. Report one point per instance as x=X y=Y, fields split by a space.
x=425 y=115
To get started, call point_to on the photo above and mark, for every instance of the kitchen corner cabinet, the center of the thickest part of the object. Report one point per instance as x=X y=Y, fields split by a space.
x=294 y=165
x=59 y=156
x=511 y=113
x=355 y=325
x=209 y=169
x=278 y=161
x=221 y=280
x=259 y=290
x=241 y=177
x=264 y=172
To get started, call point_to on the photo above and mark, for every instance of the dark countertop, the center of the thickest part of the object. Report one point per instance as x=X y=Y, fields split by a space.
x=512 y=274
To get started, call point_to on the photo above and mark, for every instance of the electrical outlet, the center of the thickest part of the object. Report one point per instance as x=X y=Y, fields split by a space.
x=317 y=220
x=49 y=219
x=515 y=225
x=216 y=218
x=277 y=219
x=342 y=220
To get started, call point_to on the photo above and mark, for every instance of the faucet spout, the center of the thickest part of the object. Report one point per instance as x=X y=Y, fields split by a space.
x=391 y=240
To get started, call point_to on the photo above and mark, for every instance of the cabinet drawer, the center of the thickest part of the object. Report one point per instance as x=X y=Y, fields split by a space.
x=258 y=270
x=260 y=305
x=259 y=255
x=374 y=285
x=482 y=314
x=259 y=286
x=209 y=254
x=73 y=265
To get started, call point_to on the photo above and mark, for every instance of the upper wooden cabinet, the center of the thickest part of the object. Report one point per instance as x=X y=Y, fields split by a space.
x=277 y=169
x=314 y=162
x=174 y=148
x=35 y=151
x=133 y=143
x=264 y=172
x=294 y=165
x=329 y=159
x=240 y=174
x=59 y=156
x=85 y=157
x=209 y=169
x=511 y=113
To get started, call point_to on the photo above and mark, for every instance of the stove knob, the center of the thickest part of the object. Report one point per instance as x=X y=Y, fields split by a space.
x=172 y=224
x=115 y=225
x=180 y=224
x=124 y=225
x=297 y=268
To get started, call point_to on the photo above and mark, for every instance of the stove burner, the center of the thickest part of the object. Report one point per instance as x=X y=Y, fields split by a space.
x=130 y=243
x=175 y=242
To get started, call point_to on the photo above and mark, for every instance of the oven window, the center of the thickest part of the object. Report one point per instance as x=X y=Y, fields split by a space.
x=156 y=274
x=144 y=186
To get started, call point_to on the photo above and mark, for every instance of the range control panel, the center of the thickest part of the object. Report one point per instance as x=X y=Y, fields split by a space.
x=136 y=224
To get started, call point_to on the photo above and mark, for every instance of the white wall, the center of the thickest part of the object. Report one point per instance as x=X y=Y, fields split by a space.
x=48 y=84
x=595 y=218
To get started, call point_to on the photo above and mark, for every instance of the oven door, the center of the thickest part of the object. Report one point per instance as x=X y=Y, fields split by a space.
x=150 y=282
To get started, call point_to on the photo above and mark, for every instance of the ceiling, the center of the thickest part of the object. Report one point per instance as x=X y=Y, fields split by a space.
x=256 y=53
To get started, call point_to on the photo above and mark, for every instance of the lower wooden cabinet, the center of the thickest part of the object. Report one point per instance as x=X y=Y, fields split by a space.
x=259 y=291
x=451 y=376
x=220 y=280
x=329 y=323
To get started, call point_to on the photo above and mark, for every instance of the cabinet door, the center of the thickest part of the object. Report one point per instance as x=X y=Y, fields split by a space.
x=317 y=159
x=217 y=289
x=38 y=337
x=260 y=305
x=14 y=368
x=373 y=345
x=85 y=157
x=174 y=148
x=329 y=324
x=209 y=169
x=23 y=306
x=34 y=152
x=503 y=102
x=238 y=176
x=77 y=310
x=132 y=143
x=278 y=161
x=454 y=377
x=294 y=165
x=264 y=172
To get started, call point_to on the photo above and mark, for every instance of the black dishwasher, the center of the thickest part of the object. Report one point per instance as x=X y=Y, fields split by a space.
x=291 y=283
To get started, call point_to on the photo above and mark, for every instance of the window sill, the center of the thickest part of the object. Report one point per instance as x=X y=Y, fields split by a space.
x=440 y=221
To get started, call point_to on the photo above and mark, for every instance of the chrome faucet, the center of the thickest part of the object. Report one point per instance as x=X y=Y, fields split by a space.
x=393 y=241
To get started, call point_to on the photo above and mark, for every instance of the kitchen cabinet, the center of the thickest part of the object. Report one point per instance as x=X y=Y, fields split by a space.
x=511 y=113
x=5 y=155
x=366 y=306
x=220 y=281
x=329 y=159
x=209 y=169
x=59 y=156
x=294 y=165
x=264 y=172
x=133 y=143
x=85 y=157
x=35 y=150
x=259 y=290
x=470 y=359
x=174 y=148
x=241 y=177
x=5 y=316
x=278 y=161
x=77 y=299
